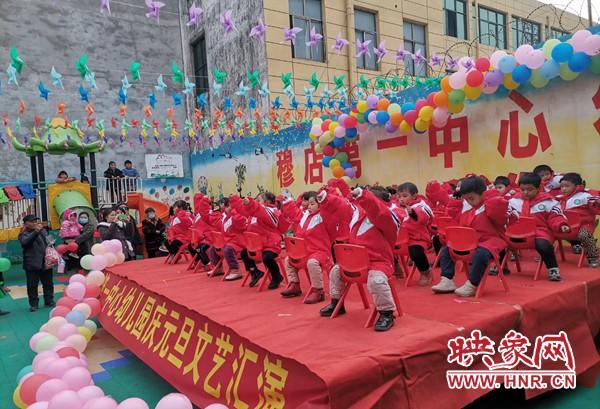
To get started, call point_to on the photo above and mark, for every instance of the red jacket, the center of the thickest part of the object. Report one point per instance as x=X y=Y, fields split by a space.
x=418 y=223
x=582 y=202
x=437 y=195
x=373 y=225
x=207 y=221
x=489 y=219
x=545 y=210
x=233 y=226
x=262 y=220
x=180 y=227
x=319 y=233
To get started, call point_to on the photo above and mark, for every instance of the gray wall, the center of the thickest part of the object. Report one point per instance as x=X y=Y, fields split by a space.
x=57 y=33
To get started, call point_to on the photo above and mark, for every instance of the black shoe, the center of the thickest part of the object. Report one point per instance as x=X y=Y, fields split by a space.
x=256 y=278
x=33 y=309
x=328 y=311
x=385 y=321
x=274 y=284
x=4 y=312
x=50 y=304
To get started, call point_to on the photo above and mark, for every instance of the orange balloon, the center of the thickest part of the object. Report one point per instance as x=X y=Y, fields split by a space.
x=338 y=172
x=445 y=84
x=383 y=104
x=396 y=118
x=440 y=99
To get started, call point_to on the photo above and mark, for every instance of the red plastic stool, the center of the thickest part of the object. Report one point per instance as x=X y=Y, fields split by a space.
x=401 y=252
x=574 y=221
x=521 y=236
x=181 y=253
x=442 y=223
x=254 y=247
x=354 y=269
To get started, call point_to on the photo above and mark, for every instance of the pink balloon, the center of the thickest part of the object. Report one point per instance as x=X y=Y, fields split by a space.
x=174 y=401
x=115 y=246
x=216 y=406
x=339 y=132
x=98 y=262
x=489 y=89
x=77 y=278
x=35 y=338
x=101 y=403
x=133 y=403
x=38 y=405
x=111 y=259
x=59 y=311
x=92 y=291
x=65 y=400
x=77 y=378
x=83 y=308
x=458 y=80
x=591 y=45
x=372 y=118
x=535 y=59
x=57 y=368
x=94 y=304
x=48 y=389
x=342 y=119
x=440 y=114
x=42 y=356
x=420 y=104
x=522 y=52
x=98 y=249
x=76 y=291
x=66 y=331
x=95 y=277
x=90 y=392
x=578 y=39
x=120 y=257
x=67 y=302
x=496 y=57
x=316 y=130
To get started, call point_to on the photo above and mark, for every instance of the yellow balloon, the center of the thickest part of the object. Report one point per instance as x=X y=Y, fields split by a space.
x=549 y=46
x=17 y=398
x=472 y=92
x=332 y=126
x=362 y=107
x=421 y=125
x=85 y=332
x=566 y=74
x=334 y=163
x=509 y=83
x=405 y=127
x=394 y=108
x=537 y=80
x=325 y=139
x=455 y=109
x=312 y=136
x=318 y=149
x=426 y=113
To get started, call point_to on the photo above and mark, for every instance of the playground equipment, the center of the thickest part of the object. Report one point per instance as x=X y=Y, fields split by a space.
x=74 y=195
x=136 y=201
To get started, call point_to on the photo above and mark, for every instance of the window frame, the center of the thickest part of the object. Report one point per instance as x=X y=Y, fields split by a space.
x=517 y=29
x=361 y=62
x=457 y=15
x=312 y=54
x=496 y=24
x=410 y=67
x=200 y=72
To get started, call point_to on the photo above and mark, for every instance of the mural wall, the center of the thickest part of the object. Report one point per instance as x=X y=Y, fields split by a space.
x=558 y=125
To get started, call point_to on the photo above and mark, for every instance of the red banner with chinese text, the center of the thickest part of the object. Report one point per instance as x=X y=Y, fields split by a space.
x=201 y=358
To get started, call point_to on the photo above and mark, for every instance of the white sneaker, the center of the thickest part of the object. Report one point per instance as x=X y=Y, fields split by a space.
x=467 y=290
x=425 y=279
x=446 y=285
x=234 y=275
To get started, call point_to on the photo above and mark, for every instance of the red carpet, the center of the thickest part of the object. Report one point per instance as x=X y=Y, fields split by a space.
x=282 y=353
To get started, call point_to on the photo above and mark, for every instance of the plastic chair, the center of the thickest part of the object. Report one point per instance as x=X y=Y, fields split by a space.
x=462 y=243
x=354 y=269
x=442 y=224
x=295 y=248
x=521 y=236
x=219 y=245
x=181 y=253
x=574 y=221
x=195 y=242
x=401 y=252
x=254 y=247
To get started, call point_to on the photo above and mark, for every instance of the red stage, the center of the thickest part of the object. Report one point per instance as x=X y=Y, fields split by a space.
x=217 y=341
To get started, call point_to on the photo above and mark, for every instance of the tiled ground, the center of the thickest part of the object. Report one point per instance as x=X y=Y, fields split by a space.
x=122 y=375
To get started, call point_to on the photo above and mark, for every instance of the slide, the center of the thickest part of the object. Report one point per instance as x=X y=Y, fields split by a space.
x=70 y=199
x=138 y=202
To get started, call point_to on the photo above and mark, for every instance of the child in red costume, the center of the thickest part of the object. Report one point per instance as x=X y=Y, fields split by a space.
x=485 y=211
x=374 y=226
x=179 y=232
x=550 y=180
x=417 y=221
x=503 y=185
x=548 y=216
x=263 y=219
x=576 y=198
x=318 y=235
x=233 y=226
x=202 y=229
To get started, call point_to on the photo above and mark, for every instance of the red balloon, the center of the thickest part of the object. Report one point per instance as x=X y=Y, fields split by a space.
x=92 y=291
x=328 y=151
x=420 y=104
x=68 y=351
x=62 y=248
x=30 y=386
x=60 y=311
x=66 y=302
x=325 y=125
x=474 y=78
x=73 y=247
x=94 y=304
x=410 y=117
x=350 y=122
x=482 y=64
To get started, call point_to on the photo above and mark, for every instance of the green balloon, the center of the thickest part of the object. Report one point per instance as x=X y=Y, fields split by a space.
x=86 y=262
x=595 y=66
x=342 y=157
x=4 y=265
x=360 y=118
x=566 y=74
x=537 y=80
x=456 y=96
x=46 y=343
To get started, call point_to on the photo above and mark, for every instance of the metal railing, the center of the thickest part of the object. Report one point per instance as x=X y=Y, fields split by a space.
x=12 y=213
x=114 y=191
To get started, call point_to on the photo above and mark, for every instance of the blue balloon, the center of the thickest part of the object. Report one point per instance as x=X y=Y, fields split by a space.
x=327 y=159
x=75 y=317
x=382 y=117
x=562 y=52
x=351 y=132
x=407 y=106
x=507 y=64
x=24 y=371
x=550 y=69
x=338 y=142
x=521 y=74
x=346 y=165
x=579 y=62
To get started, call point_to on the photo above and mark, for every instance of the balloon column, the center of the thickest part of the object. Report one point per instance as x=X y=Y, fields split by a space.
x=58 y=377
x=473 y=77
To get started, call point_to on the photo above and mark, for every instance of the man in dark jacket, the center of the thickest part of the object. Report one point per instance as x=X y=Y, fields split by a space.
x=34 y=241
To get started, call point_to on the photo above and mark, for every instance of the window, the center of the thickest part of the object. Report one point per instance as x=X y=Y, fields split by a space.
x=307 y=14
x=492 y=28
x=414 y=40
x=555 y=33
x=473 y=21
x=456 y=18
x=366 y=29
x=524 y=32
x=200 y=65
